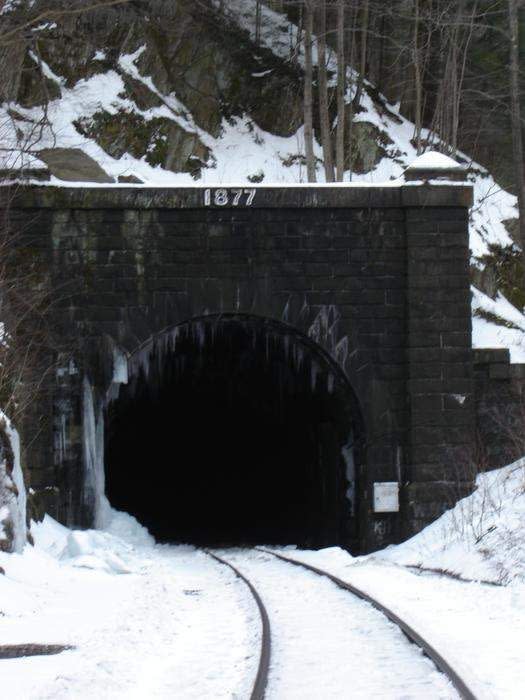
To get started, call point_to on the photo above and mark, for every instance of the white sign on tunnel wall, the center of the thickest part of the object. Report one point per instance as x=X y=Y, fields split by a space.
x=386 y=497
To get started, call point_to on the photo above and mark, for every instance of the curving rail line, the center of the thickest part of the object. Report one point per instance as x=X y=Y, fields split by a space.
x=441 y=663
x=261 y=679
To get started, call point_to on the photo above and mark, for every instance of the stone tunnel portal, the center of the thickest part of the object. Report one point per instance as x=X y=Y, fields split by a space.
x=235 y=430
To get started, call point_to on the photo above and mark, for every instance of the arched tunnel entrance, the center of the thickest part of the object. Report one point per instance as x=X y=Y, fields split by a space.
x=235 y=430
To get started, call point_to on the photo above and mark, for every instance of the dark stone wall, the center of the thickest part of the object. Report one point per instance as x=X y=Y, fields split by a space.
x=376 y=276
x=500 y=408
x=440 y=382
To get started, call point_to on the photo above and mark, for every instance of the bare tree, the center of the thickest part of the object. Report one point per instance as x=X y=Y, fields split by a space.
x=258 y=22
x=341 y=91
x=324 y=114
x=308 y=93
x=12 y=31
x=364 y=29
x=418 y=80
x=515 y=114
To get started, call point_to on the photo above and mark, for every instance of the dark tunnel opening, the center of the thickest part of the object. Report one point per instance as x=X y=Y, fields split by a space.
x=235 y=431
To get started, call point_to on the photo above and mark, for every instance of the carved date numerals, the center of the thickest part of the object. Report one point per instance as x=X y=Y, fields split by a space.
x=233 y=197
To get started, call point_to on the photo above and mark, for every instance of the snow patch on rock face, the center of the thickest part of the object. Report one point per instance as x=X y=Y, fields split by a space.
x=496 y=323
x=13 y=499
x=243 y=149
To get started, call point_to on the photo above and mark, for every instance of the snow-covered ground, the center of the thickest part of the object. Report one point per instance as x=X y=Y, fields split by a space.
x=164 y=621
x=478 y=628
x=478 y=625
x=482 y=537
x=147 y=621
x=328 y=644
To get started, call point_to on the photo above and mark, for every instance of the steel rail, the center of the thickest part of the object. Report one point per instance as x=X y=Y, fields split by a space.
x=261 y=679
x=441 y=663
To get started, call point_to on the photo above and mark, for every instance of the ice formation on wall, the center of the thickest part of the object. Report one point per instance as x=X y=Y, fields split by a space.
x=93 y=447
x=13 y=499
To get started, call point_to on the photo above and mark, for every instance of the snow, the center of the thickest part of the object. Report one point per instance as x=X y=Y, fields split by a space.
x=433 y=160
x=145 y=620
x=14 y=508
x=477 y=623
x=481 y=537
x=489 y=334
x=479 y=629
x=243 y=149
x=163 y=621
x=323 y=639
x=10 y=5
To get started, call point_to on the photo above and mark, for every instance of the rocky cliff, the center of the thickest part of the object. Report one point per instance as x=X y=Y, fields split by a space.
x=184 y=92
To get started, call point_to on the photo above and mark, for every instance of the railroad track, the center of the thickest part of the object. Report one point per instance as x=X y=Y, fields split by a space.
x=262 y=677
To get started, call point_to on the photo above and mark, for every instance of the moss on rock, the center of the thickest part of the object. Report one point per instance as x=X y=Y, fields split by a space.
x=367 y=147
x=160 y=141
x=502 y=271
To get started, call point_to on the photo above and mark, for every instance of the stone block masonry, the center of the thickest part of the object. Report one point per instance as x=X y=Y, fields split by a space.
x=376 y=277
x=500 y=408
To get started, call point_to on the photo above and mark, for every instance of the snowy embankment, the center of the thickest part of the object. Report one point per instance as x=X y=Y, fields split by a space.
x=146 y=620
x=479 y=625
x=482 y=537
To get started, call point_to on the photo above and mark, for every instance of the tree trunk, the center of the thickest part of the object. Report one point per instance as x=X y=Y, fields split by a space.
x=351 y=61
x=324 y=114
x=308 y=98
x=364 y=48
x=418 y=85
x=515 y=116
x=258 y=22
x=341 y=89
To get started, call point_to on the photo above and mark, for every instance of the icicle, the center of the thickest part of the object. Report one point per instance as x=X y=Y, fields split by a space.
x=93 y=449
x=300 y=357
x=286 y=311
x=120 y=367
x=341 y=351
x=347 y=452
x=313 y=375
x=286 y=343
x=201 y=334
